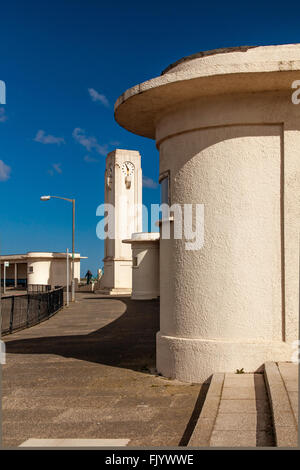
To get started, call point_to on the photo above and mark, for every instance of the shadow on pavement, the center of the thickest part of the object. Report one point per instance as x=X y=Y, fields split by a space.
x=127 y=341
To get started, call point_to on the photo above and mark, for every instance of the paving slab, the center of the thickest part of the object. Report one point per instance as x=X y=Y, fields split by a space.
x=233 y=438
x=243 y=406
x=235 y=422
x=240 y=380
x=238 y=393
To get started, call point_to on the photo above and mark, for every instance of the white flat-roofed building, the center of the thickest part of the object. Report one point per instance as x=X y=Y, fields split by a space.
x=39 y=268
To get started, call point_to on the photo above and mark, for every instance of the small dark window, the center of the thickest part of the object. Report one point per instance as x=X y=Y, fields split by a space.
x=165 y=189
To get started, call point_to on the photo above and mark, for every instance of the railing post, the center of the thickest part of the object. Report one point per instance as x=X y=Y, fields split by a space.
x=27 y=313
x=39 y=307
x=49 y=303
x=11 y=320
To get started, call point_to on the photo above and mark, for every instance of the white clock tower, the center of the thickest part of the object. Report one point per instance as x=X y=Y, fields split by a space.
x=123 y=190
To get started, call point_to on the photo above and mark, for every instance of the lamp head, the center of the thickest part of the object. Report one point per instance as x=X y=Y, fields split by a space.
x=45 y=198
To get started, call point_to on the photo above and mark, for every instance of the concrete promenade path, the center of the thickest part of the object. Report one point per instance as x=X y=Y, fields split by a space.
x=88 y=373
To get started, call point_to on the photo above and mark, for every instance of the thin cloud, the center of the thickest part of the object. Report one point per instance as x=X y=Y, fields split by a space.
x=5 y=171
x=89 y=159
x=43 y=138
x=149 y=183
x=98 y=97
x=3 y=116
x=89 y=142
x=56 y=168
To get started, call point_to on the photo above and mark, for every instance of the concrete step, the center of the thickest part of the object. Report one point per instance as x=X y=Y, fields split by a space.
x=204 y=427
x=282 y=385
x=236 y=413
x=250 y=410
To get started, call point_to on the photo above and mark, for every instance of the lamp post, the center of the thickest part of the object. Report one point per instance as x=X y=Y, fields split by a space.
x=47 y=198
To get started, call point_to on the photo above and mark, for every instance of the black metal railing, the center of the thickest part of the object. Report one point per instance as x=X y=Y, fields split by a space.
x=23 y=311
x=37 y=288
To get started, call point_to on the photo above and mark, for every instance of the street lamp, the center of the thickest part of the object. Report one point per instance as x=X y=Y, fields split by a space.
x=47 y=198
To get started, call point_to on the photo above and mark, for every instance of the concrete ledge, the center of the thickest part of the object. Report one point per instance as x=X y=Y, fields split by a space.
x=285 y=425
x=205 y=424
x=77 y=443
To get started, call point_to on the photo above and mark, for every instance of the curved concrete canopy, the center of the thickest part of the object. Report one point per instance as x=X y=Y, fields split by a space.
x=48 y=255
x=233 y=70
x=143 y=237
x=41 y=255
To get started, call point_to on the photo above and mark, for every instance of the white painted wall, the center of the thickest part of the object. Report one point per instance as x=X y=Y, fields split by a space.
x=52 y=271
x=145 y=268
x=42 y=268
x=39 y=271
x=117 y=276
x=229 y=135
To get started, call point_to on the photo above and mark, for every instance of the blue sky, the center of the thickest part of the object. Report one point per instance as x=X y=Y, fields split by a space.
x=64 y=64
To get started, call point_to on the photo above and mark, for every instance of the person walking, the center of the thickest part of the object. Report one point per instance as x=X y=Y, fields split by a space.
x=88 y=277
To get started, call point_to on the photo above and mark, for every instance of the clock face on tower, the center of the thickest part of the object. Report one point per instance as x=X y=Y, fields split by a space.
x=127 y=168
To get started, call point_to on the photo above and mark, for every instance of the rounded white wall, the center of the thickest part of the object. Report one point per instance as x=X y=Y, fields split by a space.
x=225 y=306
x=51 y=270
x=38 y=272
x=145 y=265
x=228 y=134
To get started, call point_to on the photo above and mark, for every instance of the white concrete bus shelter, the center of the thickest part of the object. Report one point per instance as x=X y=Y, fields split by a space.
x=39 y=268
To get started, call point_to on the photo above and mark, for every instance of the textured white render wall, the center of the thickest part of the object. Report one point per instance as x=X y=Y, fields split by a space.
x=40 y=271
x=58 y=272
x=145 y=268
x=117 y=276
x=51 y=269
x=229 y=135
